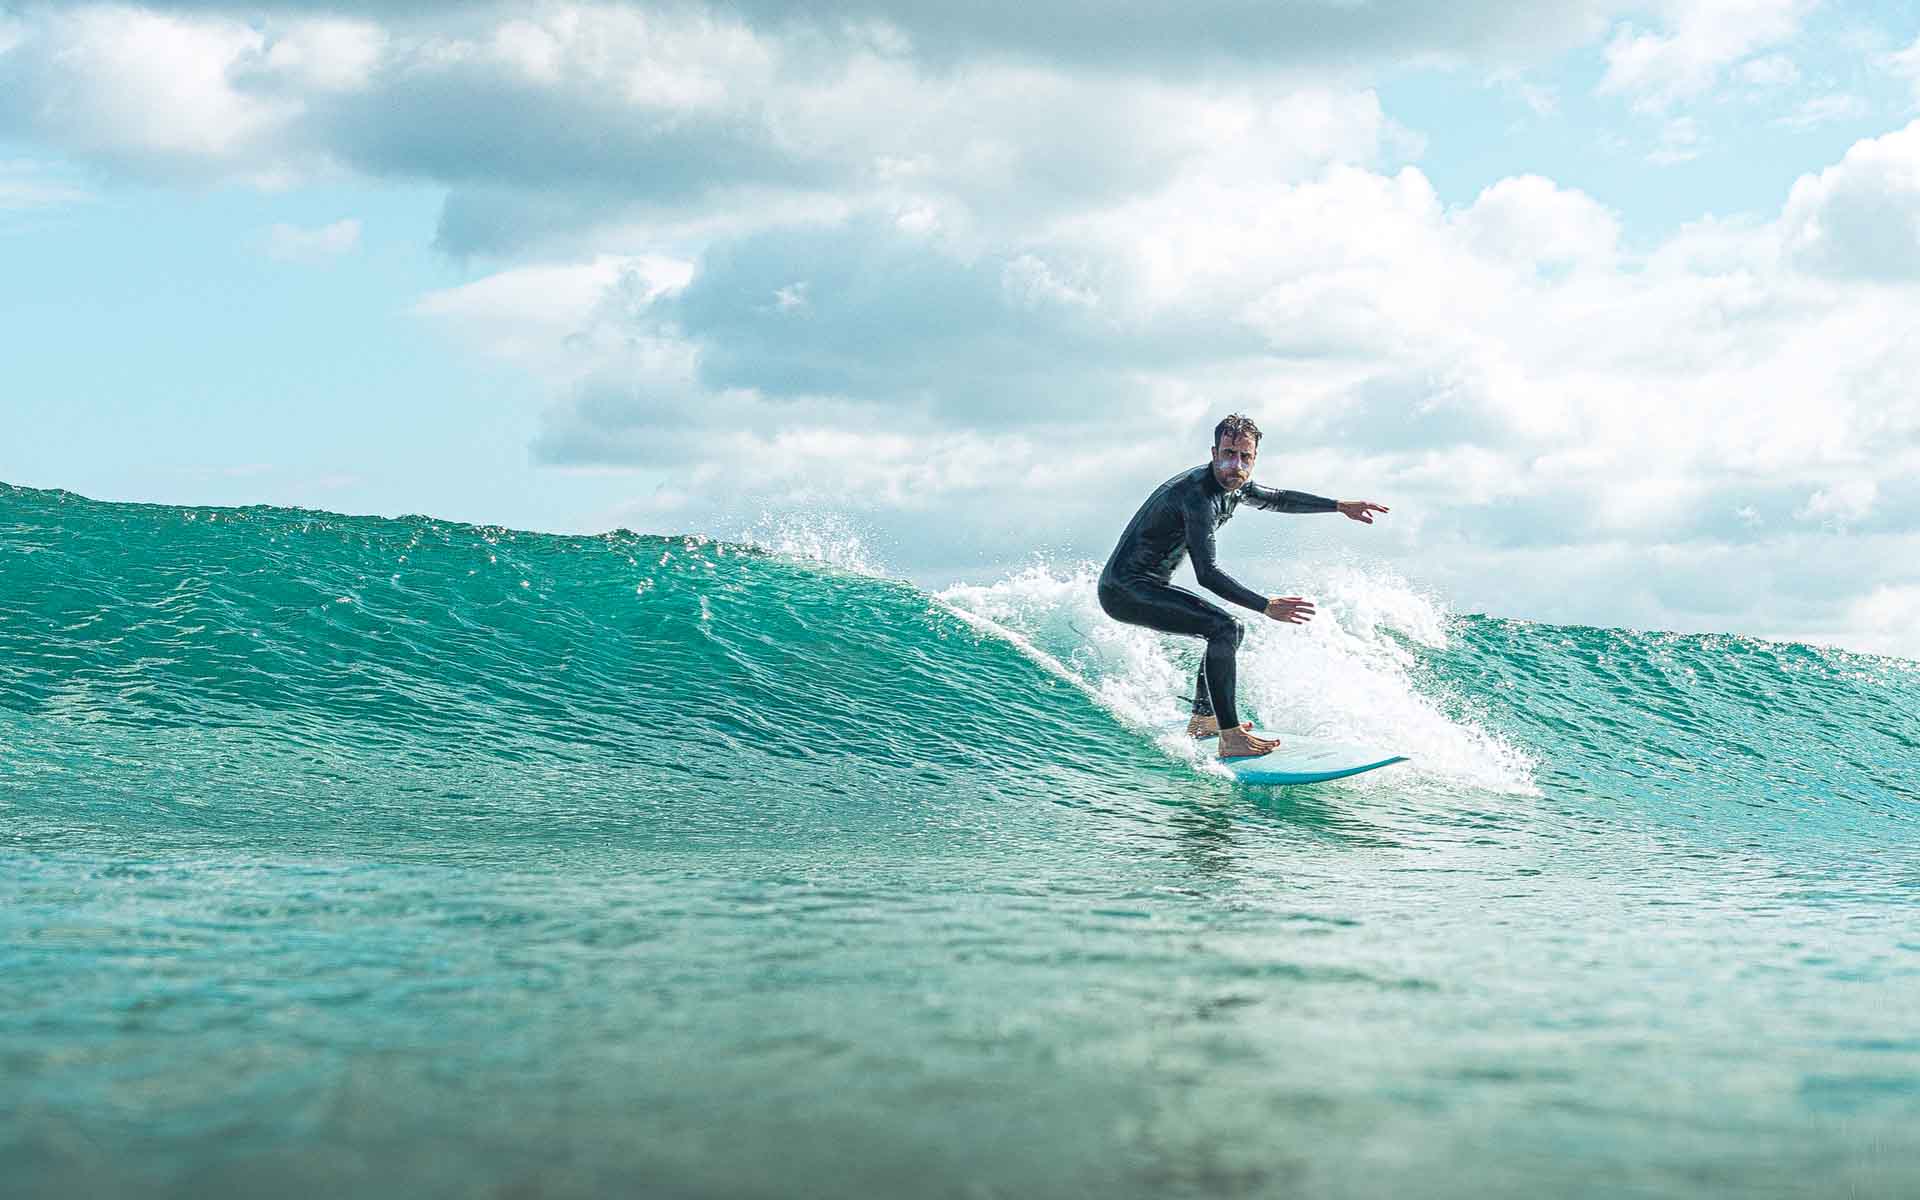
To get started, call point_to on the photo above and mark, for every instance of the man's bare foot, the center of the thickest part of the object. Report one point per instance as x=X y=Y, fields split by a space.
x=1202 y=728
x=1241 y=743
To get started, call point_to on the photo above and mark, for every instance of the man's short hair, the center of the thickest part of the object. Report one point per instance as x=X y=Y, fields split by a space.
x=1236 y=426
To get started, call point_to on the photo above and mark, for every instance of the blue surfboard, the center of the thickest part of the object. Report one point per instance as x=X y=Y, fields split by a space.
x=1303 y=760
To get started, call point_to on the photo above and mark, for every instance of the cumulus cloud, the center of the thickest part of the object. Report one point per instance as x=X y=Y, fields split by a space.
x=1352 y=307
x=326 y=54
x=573 y=119
x=1842 y=503
x=1536 y=220
x=1861 y=217
x=1887 y=620
x=869 y=311
x=135 y=88
x=526 y=313
x=1658 y=68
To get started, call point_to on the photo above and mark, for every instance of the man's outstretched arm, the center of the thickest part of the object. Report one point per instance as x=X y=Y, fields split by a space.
x=1274 y=500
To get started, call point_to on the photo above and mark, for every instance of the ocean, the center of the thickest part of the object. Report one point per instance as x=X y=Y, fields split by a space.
x=400 y=857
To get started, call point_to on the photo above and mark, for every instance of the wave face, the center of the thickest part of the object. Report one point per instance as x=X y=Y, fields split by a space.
x=266 y=661
x=719 y=833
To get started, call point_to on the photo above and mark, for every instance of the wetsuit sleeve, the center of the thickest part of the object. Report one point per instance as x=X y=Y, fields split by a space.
x=1199 y=518
x=1287 y=502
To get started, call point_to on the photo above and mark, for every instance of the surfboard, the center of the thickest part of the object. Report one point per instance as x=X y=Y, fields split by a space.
x=1303 y=760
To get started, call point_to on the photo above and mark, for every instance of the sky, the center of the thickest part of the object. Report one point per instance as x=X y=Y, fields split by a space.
x=1615 y=304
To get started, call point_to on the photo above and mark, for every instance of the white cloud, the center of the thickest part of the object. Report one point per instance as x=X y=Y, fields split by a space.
x=1658 y=69
x=1532 y=219
x=1308 y=292
x=1905 y=64
x=1861 y=217
x=135 y=87
x=538 y=312
x=1819 y=110
x=1793 y=586
x=1887 y=620
x=1842 y=503
x=325 y=55
x=291 y=243
x=585 y=118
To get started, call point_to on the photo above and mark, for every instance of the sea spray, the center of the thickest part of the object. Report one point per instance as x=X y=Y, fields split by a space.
x=1348 y=674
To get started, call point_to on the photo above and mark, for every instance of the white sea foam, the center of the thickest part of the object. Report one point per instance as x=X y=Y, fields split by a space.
x=1348 y=675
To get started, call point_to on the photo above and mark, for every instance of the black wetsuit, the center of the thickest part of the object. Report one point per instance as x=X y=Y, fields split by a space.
x=1178 y=520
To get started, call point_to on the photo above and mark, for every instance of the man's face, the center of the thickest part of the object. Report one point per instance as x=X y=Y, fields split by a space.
x=1233 y=460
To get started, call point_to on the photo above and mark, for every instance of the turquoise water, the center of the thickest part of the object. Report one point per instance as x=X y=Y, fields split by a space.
x=409 y=858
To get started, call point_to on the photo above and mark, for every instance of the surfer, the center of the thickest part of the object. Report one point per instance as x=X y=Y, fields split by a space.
x=1178 y=520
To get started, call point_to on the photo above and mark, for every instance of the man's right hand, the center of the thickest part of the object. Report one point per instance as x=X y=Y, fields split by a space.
x=1294 y=610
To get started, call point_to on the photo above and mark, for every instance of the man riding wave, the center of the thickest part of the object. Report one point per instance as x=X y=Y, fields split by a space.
x=1178 y=520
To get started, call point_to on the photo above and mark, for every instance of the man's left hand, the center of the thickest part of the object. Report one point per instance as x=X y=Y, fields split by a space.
x=1360 y=510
